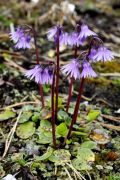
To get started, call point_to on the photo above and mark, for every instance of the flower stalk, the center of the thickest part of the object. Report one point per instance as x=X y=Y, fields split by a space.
x=57 y=74
x=53 y=111
x=76 y=109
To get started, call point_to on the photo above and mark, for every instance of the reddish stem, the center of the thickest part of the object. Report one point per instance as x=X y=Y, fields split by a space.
x=75 y=55
x=76 y=109
x=57 y=76
x=71 y=85
x=53 y=112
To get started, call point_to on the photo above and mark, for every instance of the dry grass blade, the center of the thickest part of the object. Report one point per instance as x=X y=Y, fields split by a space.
x=70 y=178
x=88 y=175
x=13 y=54
x=111 y=118
x=110 y=74
x=1 y=132
x=20 y=104
x=108 y=126
x=76 y=172
x=11 y=63
x=10 y=135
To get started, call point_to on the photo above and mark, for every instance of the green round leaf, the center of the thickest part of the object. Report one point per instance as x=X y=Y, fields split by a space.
x=85 y=154
x=7 y=114
x=62 y=115
x=61 y=130
x=80 y=165
x=89 y=145
x=25 y=116
x=60 y=156
x=45 y=124
x=45 y=156
x=44 y=136
x=92 y=115
x=25 y=130
x=36 y=117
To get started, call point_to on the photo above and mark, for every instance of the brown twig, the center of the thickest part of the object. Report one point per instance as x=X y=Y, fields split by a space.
x=14 y=54
x=111 y=118
x=11 y=63
x=10 y=136
x=20 y=104
x=104 y=101
x=115 y=74
x=108 y=126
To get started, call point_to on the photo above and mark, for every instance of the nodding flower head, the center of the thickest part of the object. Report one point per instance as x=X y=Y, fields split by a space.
x=47 y=76
x=52 y=33
x=55 y=32
x=34 y=73
x=64 y=38
x=103 y=54
x=24 y=42
x=92 y=54
x=20 y=39
x=85 y=32
x=87 y=70
x=40 y=75
x=72 y=69
x=73 y=39
x=16 y=35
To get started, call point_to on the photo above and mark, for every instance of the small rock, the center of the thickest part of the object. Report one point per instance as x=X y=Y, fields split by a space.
x=100 y=136
x=109 y=167
x=9 y=177
x=111 y=156
x=99 y=167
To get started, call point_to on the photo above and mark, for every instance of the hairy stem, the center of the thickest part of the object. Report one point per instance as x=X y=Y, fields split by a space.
x=57 y=76
x=53 y=111
x=71 y=85
x=76 y=109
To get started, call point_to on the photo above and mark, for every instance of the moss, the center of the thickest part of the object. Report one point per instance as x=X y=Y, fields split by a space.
x=108 y=67
x=100 y=81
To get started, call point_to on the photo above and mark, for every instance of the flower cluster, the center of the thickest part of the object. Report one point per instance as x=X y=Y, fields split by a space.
x=81 y=68
x=41 y=75
x=75 y=38
x=20 y=38
x=77 y=68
